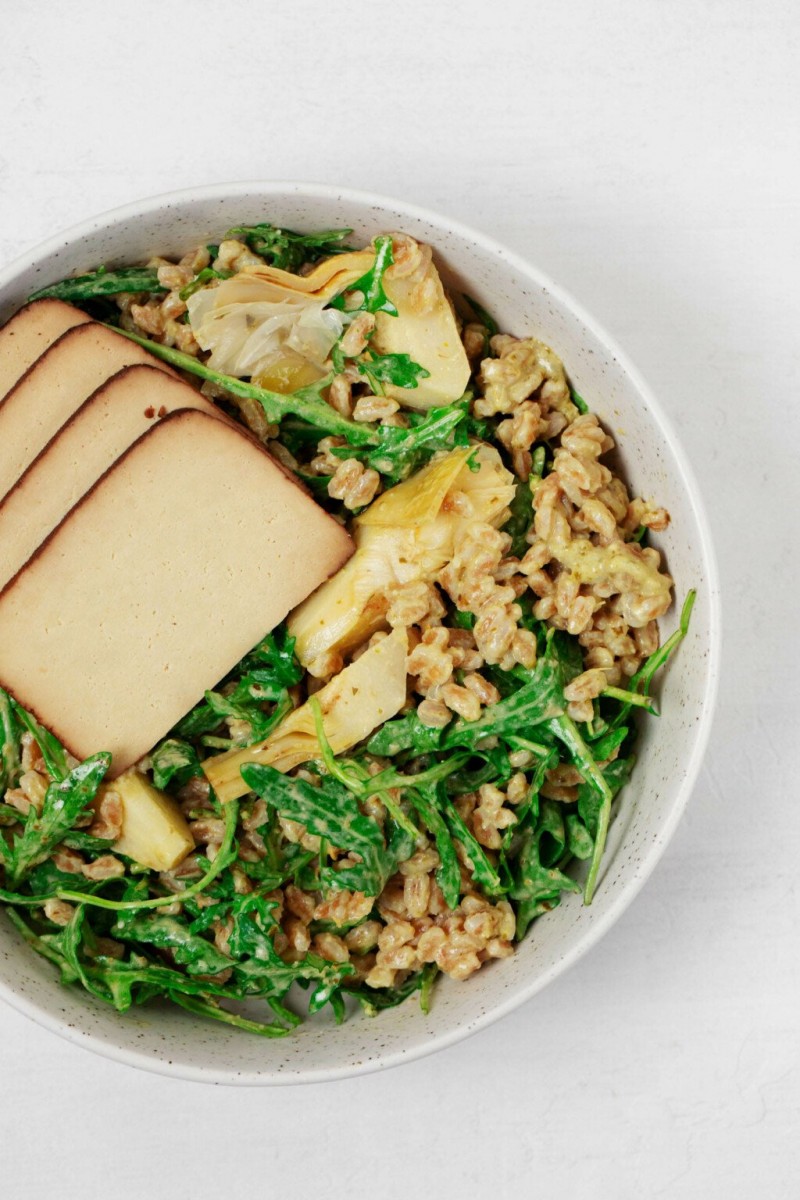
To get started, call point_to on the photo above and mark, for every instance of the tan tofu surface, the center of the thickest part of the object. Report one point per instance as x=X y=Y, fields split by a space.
x=29 y=333
x=55 y=387
x=178 y=561
x=105 y=425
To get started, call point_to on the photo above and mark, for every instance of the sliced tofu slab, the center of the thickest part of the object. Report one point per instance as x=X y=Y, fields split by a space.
x=178 y=561
x=29 y=333
x=105 y=425
x=55 y=387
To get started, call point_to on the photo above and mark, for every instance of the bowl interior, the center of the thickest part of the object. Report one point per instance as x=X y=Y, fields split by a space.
x=669 y=749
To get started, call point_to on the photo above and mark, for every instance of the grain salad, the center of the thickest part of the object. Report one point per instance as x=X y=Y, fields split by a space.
x=424 y=757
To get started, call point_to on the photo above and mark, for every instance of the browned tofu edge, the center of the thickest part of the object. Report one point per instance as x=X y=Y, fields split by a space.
x=348 y=548
x=76 y=332
x=88 y=402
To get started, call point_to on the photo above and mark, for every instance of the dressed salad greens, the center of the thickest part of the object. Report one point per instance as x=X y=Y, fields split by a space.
x=424 y=757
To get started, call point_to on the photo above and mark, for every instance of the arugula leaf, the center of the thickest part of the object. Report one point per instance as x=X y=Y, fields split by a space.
x=10 y=764
x=207 y=1008
x=483 y=869
x=538 y=883
x=198 y=955
x=396 y=452
x=590 y=801
x=369 y=287
x=53 y=753
x=257 y=967
x=245 y=704
x=483 y=316
x=578 y=401
x=201 y=279
x=286 y=249
x=122 y=984
x=174 y=760
x=400 y=370
x=102 y=283
x=63 y=803
x=404 y=733
x=521 y=518
x=580 y=842
x=533 y=704
x=329 y=810
x=275 y=653
x=566 y=730
x=427 y=802
x=373 y=1002
x=306 y=402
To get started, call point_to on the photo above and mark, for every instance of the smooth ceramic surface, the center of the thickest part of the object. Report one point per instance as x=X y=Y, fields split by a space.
x=670 y=750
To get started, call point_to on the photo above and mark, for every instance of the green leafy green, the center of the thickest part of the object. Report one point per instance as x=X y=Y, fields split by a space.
x=331 y=811
x=429 y=802
x=483 y=869
x=102 y=283
x=286 y=249
x=306 y=402
x=483 y=317
x=373 y=1002
x=53 y=753
x=521 y=518
x=10 y=765
x=190 y=950
x=533 y=704
x=175 y=761
x=404 y=733
x=63 y=803
x=397 y=452
x=367 y=294
x=579 y=401
x=538 y=881
x=201 y=279
x=400 y=370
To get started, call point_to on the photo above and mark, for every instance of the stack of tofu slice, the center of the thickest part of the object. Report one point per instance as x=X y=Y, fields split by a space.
x=147 y=542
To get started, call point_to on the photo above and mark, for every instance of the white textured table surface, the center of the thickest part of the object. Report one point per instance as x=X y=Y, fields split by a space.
x=646 y=156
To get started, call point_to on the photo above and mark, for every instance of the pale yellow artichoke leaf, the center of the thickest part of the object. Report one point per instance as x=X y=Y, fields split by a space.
x=357 y=700
x=425 y=328
x=352 y=605
x=419 y=498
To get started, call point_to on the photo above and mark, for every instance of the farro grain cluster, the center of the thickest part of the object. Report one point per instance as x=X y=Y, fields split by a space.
x=338 y=862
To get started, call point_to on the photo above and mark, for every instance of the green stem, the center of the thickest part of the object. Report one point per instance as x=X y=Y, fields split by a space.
x=390 y=778
x=202 y=1009
x=534 y=747
x=225 y=855
x=637 y=699
x=305 y=403
x=567 y=731
x=362 y=784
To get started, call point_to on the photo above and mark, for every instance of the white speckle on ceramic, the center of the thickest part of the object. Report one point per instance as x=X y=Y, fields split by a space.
x=167 y=1040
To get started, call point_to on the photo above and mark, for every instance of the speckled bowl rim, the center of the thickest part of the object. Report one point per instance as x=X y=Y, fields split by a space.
x=658 y=845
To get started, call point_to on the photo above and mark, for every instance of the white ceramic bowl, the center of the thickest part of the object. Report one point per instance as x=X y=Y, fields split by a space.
x=670 y=749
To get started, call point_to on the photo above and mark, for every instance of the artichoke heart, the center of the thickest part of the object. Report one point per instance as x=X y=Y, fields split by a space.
x=425 y=328
x=408 y=533
x=262 y=315
x=361 y=697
